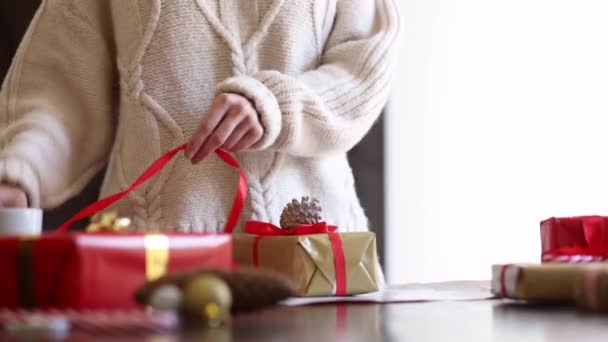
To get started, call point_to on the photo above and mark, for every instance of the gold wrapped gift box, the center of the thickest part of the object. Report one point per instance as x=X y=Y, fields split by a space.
x=583 y=284
x=550 y=282
x=308 y=260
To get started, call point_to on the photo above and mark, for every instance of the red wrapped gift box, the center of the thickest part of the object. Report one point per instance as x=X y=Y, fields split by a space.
x=574 y=239
x=102 y=271
x=98 y=271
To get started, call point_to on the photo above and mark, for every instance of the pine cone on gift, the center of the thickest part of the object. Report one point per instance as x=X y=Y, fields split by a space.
x=251 y=289
x=305 y=212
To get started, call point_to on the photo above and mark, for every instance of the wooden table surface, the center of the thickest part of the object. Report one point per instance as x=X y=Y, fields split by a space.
x=471 y=321
x=437 y=321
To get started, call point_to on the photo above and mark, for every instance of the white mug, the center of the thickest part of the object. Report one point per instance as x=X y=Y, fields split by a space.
x=20 y=221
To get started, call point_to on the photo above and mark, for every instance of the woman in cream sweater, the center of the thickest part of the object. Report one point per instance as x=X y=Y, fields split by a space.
x=288 y=86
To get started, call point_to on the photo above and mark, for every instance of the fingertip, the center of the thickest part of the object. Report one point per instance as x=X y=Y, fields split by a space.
x=196 y=159
x=188 y=152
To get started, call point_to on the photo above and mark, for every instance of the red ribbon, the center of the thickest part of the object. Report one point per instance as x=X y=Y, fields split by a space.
x=264 y=229
x=151 y=171
x=268 y=229
x=339 y=262
x=595 y=245
x=595 y=253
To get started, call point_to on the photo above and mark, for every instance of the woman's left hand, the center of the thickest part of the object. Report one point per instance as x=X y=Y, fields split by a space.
x=231 y=124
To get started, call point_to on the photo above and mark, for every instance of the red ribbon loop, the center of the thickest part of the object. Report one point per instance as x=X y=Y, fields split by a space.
x=265 y=229
x=151 y=171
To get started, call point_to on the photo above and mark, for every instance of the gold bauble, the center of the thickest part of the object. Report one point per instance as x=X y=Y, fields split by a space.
x=207 y=297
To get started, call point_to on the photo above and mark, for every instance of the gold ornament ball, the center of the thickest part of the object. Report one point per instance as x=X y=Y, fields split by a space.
x=208 y=297
x=166 y=297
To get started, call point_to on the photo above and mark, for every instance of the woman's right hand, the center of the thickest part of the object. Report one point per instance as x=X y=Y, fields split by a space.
x=12 y=196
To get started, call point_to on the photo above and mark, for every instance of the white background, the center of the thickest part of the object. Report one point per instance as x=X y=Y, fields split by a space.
x=499 y=120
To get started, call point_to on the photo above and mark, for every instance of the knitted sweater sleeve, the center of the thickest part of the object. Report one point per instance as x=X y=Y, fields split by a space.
x=329 y=109
x=56 y=104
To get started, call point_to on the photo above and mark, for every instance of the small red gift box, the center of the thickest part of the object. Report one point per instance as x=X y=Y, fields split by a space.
x=98 y=271
x=574 y=239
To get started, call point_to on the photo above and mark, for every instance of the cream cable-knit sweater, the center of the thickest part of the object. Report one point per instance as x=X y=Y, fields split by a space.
x=126 y=80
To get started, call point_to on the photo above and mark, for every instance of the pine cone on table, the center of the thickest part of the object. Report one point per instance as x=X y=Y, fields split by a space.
x=296 y=212
x=251 y=289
